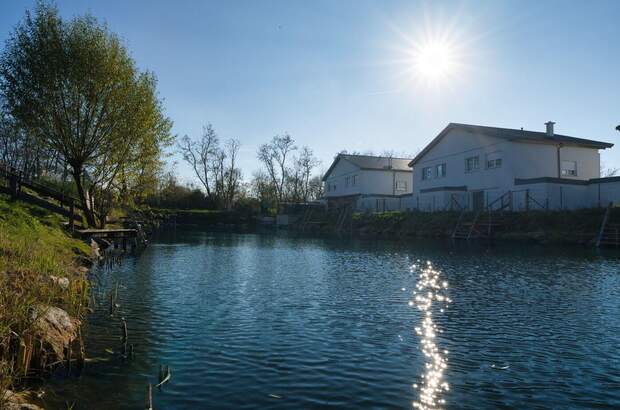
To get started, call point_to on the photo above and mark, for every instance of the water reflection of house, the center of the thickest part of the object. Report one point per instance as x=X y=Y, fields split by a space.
x=368 y=182
x=475 y=167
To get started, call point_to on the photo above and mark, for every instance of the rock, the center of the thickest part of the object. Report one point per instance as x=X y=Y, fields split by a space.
x=95 y=250
x=16 y=401
x=55 y=328
x=62 y=282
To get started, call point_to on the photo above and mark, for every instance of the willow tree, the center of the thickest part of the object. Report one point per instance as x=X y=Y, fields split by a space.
x=74 y=84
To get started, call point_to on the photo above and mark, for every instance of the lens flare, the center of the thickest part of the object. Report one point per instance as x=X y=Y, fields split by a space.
x=434 y=60
x=430 y=295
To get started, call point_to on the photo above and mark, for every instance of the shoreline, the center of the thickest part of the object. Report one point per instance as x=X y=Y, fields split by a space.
x=68 y=298
x=44 y=279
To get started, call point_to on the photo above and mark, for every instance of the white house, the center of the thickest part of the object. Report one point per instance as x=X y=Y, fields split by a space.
x=368 y=182
x=472 y=166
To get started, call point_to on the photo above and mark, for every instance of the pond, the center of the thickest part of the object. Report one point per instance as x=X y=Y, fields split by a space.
x=273 y=321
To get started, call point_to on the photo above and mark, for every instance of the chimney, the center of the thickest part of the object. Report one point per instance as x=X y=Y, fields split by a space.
x=549 y=125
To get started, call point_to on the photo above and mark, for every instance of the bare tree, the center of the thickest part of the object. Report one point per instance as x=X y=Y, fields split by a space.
x=305 y=164
x=201 y=155
x=608 y=172
x=274 y=157
x=232 y=174
x=315 y=188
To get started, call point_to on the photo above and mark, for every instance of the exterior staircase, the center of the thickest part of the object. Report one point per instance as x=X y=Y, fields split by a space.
x=345 y=218
x=483 y=223
x=609 y=233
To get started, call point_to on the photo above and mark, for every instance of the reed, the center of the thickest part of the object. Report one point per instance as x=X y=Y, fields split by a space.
x=33 y=248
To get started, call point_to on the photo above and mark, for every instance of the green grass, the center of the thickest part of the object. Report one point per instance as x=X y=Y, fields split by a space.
x=33 y=247
x=576 y=227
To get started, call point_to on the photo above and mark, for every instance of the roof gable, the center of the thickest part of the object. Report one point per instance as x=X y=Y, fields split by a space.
x=510 y=134
x=370 y=162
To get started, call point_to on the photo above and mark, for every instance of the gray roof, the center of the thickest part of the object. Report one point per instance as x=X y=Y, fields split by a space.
x=513 y=135
x=370 y=162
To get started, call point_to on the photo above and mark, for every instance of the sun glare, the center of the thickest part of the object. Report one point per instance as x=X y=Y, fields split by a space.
x=436 y=53
x=434 y=60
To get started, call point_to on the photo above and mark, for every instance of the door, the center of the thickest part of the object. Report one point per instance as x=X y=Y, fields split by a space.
x=478 y=200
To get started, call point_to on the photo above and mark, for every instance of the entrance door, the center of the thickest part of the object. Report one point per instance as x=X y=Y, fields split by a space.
x=478 y=200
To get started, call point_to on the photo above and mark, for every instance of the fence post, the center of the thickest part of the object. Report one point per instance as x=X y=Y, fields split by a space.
x=527 y=200
x=13 y=185
x=71 y=215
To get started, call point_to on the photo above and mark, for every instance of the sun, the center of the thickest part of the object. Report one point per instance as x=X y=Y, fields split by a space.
x=434 y=60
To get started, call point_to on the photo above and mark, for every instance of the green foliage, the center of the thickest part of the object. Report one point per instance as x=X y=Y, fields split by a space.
x=74 y=85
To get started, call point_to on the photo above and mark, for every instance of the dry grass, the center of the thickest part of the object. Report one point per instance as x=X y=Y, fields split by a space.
x=33 y=247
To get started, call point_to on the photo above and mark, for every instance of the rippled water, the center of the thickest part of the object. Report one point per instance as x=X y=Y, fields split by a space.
x=250 y=321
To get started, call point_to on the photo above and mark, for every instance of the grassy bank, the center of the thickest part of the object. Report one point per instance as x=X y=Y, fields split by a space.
x=574 y=227
x=40 y=267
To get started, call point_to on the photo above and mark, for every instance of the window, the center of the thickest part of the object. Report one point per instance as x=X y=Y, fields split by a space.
x=494 y=160
x=427 y=173
x=472 y=164
x=346 y=181
x=494 y=163
x=354 y=180
x=440 y=170
x=569 y=168
x=401 y=185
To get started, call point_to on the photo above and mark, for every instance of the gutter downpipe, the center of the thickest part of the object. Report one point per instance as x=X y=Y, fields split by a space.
x=559 y=172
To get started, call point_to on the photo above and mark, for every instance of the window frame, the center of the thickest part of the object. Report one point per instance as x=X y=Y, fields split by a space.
x=494 y=162
x=565 y=171
x=475 y=160
x=426 y=177
x=442 y=166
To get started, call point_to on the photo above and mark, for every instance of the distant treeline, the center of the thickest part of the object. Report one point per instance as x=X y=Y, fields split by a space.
x=77 y=112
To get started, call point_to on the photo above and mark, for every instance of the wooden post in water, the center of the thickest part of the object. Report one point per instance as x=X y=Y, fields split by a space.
x=68 y=358
x=149 y=397
x=124 y=336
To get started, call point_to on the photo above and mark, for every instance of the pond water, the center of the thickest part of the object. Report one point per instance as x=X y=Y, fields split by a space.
x=267 y=321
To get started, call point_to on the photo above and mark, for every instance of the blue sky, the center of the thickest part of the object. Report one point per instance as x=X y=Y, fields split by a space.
x=337 y=74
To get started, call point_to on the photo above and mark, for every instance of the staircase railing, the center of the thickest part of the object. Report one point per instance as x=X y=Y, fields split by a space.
x=603 y=224
x=472 y=228
x=454 y=201
x=458 y=223
x=501 y=198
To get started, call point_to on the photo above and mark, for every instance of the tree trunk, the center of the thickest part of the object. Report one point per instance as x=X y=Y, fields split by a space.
x=77 y=177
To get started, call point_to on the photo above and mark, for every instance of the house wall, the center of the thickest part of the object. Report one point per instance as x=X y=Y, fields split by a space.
x=376 y=182
x=379 y=182
x=452 y=150
x=531 y=160
x=520 y=160
x=605 y=191
x=341 y=171
x=377 y=203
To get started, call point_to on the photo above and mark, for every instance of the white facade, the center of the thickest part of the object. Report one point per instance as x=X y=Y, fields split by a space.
x=472 y=167
x=362 y=178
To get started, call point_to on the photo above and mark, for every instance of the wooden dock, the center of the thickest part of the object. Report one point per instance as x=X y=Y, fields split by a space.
x=108 y=233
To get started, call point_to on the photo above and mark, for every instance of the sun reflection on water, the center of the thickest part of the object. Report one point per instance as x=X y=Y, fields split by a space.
x=430 y=296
